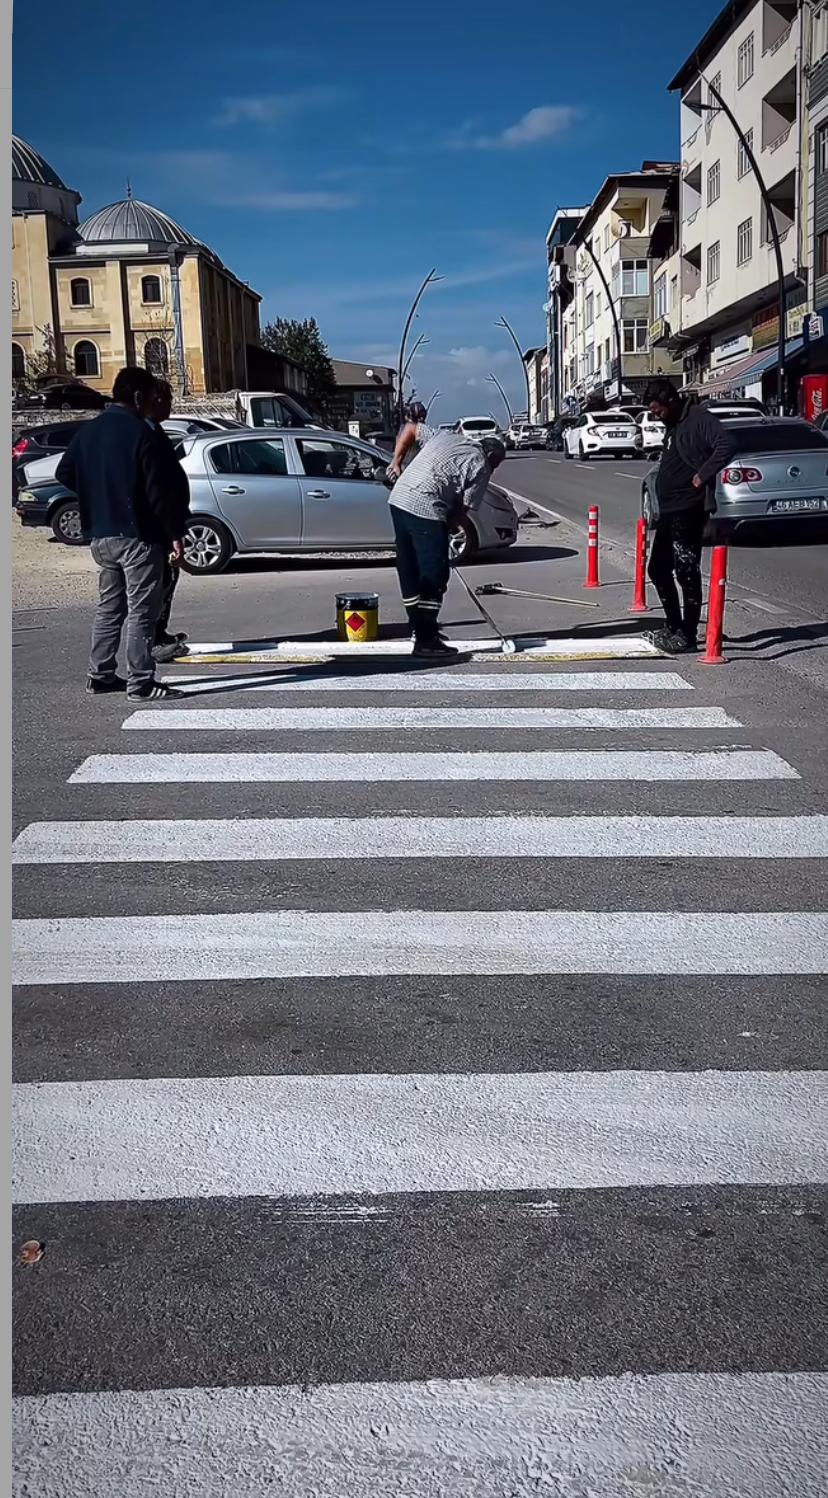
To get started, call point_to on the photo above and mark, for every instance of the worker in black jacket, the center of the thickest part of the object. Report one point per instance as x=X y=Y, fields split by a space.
x=124 y=480
x=169 y=646
x=696 y=448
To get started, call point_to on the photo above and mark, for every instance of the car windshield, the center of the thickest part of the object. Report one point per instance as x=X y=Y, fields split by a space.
x=777 y=437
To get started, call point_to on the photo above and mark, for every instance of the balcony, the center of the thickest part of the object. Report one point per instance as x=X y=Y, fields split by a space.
x=779 y=112
x=778 y=17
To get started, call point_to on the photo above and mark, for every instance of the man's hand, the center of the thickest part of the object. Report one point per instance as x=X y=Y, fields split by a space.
x=697 y=482
x=176 y=552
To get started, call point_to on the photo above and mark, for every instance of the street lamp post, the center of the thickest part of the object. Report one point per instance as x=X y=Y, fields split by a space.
x=502 y=323
x=428 y=280
x=615 y=323
x=420 y=341
x=492 y=378
x=772 y=227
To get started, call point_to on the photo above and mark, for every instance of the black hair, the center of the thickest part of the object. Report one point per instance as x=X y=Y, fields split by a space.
x=415 y=411
x=493 y=447
x=661 y=392
x=131 y=382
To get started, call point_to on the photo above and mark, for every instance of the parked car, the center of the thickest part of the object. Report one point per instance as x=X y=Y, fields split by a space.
x=780 y=472
x=555 y=433
x=42 y=470
x=296 y=491
x=530 y=438
x=649 y=437
x=600 y=434
x=479 y=426
x=37 y=442
x=736 y=407
x=65 y=395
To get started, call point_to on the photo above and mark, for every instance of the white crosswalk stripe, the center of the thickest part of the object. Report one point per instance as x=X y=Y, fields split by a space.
x=305 y=1243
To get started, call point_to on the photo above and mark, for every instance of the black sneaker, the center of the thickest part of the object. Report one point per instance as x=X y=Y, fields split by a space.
x=170 y=650
x=98 y=686
x=168 y=639
x=668 y=641
x=434 y=650
x=152 y=691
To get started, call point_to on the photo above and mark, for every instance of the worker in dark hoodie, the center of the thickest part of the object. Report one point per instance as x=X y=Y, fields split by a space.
x=696 y=448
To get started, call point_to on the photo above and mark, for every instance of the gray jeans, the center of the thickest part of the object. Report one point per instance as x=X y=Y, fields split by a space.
x=131 y=583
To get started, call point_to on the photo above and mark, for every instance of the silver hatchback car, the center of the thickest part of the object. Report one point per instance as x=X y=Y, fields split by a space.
x=301 y=490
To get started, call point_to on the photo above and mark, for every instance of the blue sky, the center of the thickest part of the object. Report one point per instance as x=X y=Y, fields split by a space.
x=331 y=154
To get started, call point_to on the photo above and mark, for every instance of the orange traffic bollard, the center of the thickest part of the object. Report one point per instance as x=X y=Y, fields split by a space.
x=715 y=607
x=639 y=603
x=592 y=549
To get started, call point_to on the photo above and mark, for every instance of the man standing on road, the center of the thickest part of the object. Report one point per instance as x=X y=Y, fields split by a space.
x=167 y=646
x=450 y=472
x=121 y=475
x=414 y=435
x=696 y=448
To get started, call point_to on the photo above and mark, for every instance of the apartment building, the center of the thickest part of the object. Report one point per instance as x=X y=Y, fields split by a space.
x=814 y=194
x=727 y=275
x=559 y=295
x=619 y=227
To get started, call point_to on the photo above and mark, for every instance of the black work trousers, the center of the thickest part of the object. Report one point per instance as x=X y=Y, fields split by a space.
x=171 y=575
x=675 y=557
x=423 y=569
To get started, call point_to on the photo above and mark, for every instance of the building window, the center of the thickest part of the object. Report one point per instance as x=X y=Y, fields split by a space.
x=589 y=311
x=716 y=83
x=822 y=254
x=151 y=290
x=744 y=242
x=714 y=182
x=607 y=352
x=713 y=263
x=822 y=150
x=744 y=61
x=635 y=278
x=606 y=237
x=742 y=163
x=80 y=292
x=636 y=333
x=597 y=304
x=15 y=297
x=18 y=362
x=156 y=357
x=589 y=363
x=660 y=297
x=86 y=359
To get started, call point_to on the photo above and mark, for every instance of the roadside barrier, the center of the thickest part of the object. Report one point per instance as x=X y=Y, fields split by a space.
x=592 y=549
x=715 y=607
x=639 y=603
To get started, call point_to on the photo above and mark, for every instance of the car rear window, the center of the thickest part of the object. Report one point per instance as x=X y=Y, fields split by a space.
x=480 y=426
x=603 y=418
x=785 y=437
x=60 y=435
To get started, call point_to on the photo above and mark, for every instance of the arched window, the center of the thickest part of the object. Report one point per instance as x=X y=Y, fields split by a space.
x=18 y=362
x=80 y=292
x=156 y=357
x=151 y=289
x=86 y=359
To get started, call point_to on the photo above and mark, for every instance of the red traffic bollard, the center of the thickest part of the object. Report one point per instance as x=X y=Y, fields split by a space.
x=715 y=607
x=639 y=603
x=592 y=549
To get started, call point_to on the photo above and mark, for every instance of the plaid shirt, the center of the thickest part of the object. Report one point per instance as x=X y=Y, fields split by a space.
x=447 y=473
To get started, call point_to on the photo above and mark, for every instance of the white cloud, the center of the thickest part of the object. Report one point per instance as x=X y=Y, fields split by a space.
x=545 y=122
x=290 y=201
x=268 y=109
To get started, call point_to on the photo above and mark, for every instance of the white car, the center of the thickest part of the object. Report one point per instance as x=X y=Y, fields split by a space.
x=478 y=426
x=650 y=438
x=600 y=434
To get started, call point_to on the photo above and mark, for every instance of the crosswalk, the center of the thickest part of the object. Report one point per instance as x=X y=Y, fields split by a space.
x=423 y=1099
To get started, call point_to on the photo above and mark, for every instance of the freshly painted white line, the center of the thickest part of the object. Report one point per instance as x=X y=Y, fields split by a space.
x=260 y=839
x=359 y=943
x=370 y=719
x=636 y=477
x=578 y=765
x=589 y=466
x=423 y=681
x=612 y=647
x=160 y=1138
x=710 y=1435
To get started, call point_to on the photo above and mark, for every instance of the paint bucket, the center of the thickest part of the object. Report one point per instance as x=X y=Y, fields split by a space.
x=357 y=616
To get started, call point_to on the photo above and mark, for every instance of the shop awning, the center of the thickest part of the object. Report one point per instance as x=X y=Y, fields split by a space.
x=747 y=371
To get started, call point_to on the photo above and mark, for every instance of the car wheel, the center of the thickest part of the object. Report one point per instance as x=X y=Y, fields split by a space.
x=567 y=454
x=208 y=547
x=581 y=453
x=462 y=541
x=66 y=523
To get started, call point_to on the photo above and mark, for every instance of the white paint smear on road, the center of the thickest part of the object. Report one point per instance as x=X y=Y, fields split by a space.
x=371 y=943
x=368 y=719
x=183 y=1137
x=370 y=768
x=615 y=647
x=709 y=1435
x=413 y=681
x=258 y=839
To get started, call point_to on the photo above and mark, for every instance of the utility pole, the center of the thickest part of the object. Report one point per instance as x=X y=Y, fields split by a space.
x=502 y=323
x=427 y=281
x=495 y=381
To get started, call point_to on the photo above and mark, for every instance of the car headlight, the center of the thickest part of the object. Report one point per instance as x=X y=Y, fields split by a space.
x=26 y=497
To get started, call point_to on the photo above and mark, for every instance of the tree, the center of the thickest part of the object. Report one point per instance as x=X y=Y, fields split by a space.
x=49 y=361
x=303 y=342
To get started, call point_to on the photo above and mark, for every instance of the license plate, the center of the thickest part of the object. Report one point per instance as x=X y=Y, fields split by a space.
x=797 y=506
x=616 y=434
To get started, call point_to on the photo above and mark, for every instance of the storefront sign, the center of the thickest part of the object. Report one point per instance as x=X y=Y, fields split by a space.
x=766 y=332
x=737 y=346
x=815 y=324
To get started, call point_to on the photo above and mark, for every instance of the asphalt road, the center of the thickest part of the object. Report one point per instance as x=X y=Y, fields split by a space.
x=436 y=1175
